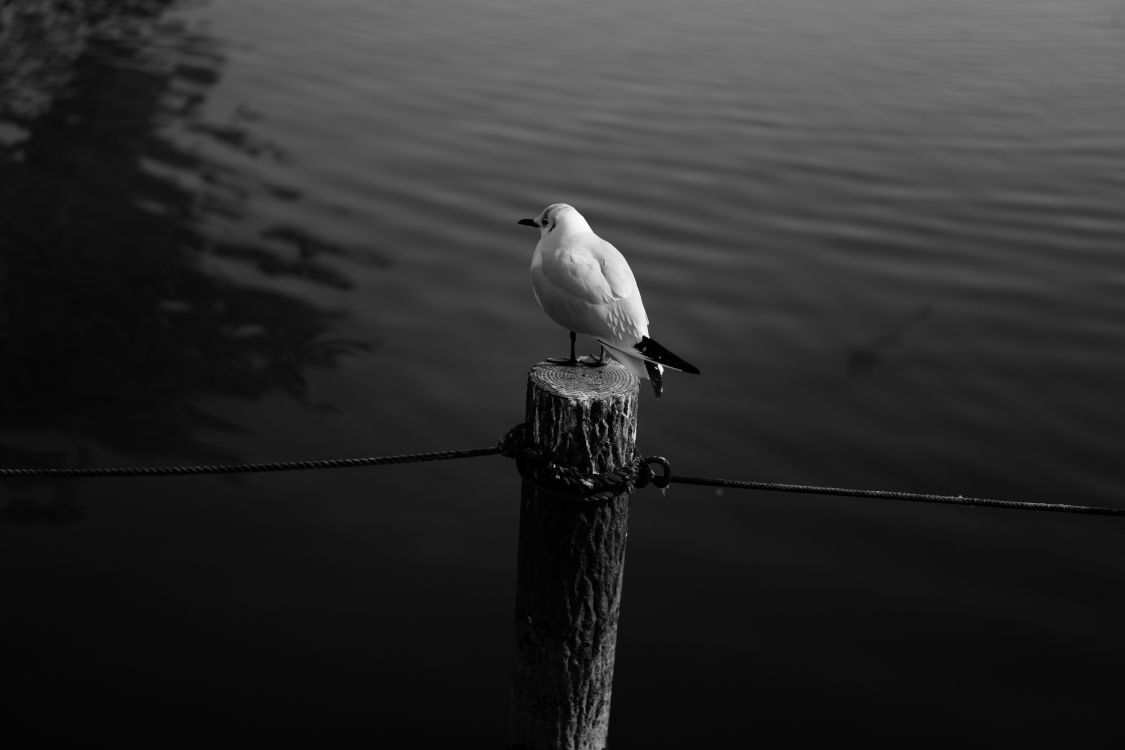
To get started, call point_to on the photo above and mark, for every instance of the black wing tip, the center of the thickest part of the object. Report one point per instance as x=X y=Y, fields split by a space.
x=659 y=353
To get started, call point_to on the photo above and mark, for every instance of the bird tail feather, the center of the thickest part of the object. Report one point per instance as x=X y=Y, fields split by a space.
x=650 y=351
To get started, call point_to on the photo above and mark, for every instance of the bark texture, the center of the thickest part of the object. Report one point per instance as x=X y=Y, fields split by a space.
x=571 y=559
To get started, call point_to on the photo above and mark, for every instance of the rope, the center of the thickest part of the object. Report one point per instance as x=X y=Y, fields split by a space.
x=534 y=464
x=908 y=496
x=169 y=471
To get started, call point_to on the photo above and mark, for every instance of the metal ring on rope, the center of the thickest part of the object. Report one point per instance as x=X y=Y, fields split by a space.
x=646 y=475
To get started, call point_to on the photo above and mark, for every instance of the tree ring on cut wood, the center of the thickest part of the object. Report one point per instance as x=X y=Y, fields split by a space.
x=584 y=382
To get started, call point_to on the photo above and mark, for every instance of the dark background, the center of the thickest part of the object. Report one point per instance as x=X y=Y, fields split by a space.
x=889 y=233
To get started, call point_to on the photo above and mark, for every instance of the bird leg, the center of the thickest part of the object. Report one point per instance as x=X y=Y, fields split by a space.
x=591 y=361
x=573 y=359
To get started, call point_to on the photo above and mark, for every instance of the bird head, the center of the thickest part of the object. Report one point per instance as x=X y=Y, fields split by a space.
x=553 y=216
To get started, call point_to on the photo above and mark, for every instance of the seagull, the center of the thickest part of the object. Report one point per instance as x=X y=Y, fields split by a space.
x=586 y=286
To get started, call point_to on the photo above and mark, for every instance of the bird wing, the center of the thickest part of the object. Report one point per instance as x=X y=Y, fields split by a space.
x=615 y=270
x=595 y=272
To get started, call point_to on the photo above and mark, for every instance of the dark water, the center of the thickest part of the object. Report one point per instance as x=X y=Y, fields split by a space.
x=889 y=232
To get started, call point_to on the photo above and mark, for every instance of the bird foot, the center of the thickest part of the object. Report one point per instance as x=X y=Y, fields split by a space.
x=591 y=361
x=568 y=361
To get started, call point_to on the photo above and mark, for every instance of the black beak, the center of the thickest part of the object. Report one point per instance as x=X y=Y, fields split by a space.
x=529 y=223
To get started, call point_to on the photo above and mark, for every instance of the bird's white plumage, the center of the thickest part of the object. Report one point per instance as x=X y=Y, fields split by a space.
x=585 y=285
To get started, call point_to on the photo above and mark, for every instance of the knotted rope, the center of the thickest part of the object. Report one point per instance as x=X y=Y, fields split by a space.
x=534 y=464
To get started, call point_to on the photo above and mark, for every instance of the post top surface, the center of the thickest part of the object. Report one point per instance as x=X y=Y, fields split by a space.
x=584 y=382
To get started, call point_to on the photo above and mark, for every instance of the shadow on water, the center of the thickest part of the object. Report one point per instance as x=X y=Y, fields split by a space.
x=112 y=330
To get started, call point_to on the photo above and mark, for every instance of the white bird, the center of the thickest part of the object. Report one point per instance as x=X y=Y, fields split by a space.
x=586 y=286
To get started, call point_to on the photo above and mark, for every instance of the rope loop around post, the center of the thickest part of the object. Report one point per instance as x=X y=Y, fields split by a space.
x=533 y=464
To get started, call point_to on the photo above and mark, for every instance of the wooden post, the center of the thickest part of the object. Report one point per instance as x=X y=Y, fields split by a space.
x=571 y=558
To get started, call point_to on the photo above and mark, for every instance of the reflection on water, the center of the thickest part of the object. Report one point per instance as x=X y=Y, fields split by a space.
x=876 y=353
x=113 y=329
